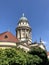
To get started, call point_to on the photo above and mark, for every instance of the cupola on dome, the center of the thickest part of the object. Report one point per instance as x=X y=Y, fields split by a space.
x=23 y=17
x=23 y=21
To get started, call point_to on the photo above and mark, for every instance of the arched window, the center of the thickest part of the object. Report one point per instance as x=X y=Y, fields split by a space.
x=6 y=36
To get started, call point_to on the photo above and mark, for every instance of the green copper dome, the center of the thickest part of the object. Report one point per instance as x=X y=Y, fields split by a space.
x=23 y=17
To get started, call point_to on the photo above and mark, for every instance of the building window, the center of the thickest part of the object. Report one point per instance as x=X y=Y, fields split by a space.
x=19 y=24
x=6 y=36
x=23 y=22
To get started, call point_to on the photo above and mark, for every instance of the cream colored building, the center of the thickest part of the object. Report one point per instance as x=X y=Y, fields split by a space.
x=23 y=30
x=23 y=38
x=24 y=35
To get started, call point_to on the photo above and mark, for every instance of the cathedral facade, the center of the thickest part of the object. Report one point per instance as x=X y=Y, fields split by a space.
x=23 y=38
x=23 y=30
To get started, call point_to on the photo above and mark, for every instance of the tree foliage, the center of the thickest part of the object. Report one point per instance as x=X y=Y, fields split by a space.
x=17 y=56
x=40 y=53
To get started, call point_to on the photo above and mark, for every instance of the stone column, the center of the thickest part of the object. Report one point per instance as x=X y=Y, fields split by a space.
x=21 y=33
x=25 y=33
x=18 y=35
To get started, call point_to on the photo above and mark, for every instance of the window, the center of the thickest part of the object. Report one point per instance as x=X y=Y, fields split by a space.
x=23 y=22
x=6 y=36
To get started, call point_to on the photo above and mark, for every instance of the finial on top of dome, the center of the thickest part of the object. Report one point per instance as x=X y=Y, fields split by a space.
x=23 y=14
x=23 y=17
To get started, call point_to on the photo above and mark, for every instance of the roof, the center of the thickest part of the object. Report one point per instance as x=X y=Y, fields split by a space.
x=8 y=37
x=23 y=17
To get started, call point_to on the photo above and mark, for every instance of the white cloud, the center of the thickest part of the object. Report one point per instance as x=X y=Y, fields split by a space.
x=44 y=42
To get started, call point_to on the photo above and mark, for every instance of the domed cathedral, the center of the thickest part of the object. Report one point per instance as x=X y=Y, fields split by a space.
x=23 y=30
x=24 y=35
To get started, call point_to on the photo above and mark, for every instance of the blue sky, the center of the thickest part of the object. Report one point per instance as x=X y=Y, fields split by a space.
x=37 y=12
